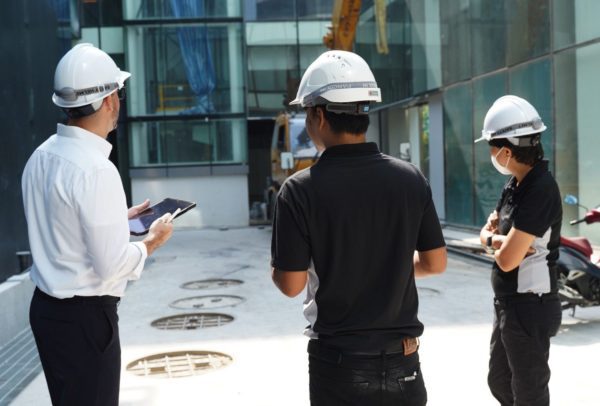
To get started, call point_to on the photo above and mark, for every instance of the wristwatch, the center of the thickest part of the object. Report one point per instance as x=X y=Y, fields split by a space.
x=488 y=245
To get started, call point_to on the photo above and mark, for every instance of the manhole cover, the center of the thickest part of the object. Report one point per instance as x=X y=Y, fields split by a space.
x=179 y=364
x=211 y=284
x=207 y=302
x=192 y=321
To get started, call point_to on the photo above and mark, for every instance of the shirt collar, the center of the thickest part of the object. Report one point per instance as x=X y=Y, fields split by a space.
x=538 y=169
x=88 y=137
x=351 y=150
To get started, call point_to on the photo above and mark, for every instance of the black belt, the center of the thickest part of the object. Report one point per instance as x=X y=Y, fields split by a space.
x=526 y=298
x=338 y=355
x=86 y=300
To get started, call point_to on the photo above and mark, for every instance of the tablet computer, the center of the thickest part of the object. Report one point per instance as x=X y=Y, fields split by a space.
x=140 y=224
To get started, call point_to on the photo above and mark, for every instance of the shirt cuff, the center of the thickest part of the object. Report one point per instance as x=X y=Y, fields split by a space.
x=137 y=271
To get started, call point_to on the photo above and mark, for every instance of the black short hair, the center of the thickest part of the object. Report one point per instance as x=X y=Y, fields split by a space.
x=525 y=155
x=346 y=123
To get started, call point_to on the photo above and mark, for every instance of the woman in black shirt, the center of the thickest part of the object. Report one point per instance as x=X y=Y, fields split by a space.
x=523 y=234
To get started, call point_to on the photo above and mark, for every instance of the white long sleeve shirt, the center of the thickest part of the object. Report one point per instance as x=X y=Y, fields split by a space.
x=77 y=218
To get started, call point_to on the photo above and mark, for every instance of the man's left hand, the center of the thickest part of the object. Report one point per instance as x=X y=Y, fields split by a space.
x=135 y=210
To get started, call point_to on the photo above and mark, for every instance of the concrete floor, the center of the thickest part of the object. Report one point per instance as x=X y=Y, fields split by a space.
x=268 y=349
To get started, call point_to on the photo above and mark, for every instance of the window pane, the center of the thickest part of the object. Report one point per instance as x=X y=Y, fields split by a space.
x=189 y=69
x=406 y=60
x=528 y=28
x=189 y=142
x=575 y=21
x=488 y=182
x=455 y=38
x=488 y=35
x=269 y=10
x=533 y=83
x=458 y=140
x=153 y=9
x=577 y=142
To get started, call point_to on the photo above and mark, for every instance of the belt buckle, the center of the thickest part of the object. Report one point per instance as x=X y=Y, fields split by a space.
x=410 y=344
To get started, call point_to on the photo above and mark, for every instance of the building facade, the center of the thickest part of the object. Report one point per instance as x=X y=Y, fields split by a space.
x=209 y=77
x=441 y=64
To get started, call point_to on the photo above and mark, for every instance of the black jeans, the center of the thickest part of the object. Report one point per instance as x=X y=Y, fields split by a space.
x=520 y=347
x=78 y=343
x=340 y=378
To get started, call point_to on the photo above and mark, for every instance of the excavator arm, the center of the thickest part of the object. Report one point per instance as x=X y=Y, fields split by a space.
x=344 y=20
x=343 y=25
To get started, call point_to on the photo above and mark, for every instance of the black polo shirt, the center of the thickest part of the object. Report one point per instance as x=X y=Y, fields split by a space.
x=354 y=220
x=534 y=206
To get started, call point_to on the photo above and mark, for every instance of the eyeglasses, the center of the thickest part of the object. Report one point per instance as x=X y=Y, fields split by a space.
x=70 y=94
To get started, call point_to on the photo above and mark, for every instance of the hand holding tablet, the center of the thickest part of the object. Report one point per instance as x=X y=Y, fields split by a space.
x=140 y=224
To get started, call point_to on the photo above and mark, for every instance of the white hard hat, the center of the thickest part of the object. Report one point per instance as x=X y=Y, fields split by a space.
x=337 y=77
x=86 y=75
x=511 y=118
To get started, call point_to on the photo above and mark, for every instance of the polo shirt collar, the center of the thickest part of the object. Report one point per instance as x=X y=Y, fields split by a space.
x=538 y=169
x=351 y=150
x=87 y=137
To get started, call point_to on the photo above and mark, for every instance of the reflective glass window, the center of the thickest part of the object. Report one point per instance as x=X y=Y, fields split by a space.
x=533 y=82
x=575 y=21
x=403 y=48
x=455 y=40
x=577 y=147
x=458 y=144
x=190 y=142
x=528 y=27
x=101 y=13
x=488 y=182
x=186 y=69
x=276 y=62
x=488 y=35
x=181 y=9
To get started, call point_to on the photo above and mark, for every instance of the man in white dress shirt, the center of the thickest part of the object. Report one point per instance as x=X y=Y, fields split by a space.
x=79 y=235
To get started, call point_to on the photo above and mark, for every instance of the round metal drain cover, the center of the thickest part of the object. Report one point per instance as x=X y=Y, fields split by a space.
x=211 y=284
x=192 y=321
x=179 y=364
x=207 y=302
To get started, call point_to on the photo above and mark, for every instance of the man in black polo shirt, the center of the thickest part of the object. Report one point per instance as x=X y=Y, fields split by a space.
x=358 y=226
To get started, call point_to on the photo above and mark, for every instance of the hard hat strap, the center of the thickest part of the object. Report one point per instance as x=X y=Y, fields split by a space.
x=349 y=108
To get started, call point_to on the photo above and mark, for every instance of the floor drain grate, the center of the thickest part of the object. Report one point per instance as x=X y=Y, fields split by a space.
x=207 y=302
x=211 y=284
x=179 y=364
x=192 y=321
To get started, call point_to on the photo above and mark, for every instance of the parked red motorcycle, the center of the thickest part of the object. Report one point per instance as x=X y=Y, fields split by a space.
x=579 y=268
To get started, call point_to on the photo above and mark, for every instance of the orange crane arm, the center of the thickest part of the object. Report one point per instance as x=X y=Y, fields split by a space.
x=343 y=25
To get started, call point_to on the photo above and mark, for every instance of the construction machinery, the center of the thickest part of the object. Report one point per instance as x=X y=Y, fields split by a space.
x=291 y=151
x=344 y=20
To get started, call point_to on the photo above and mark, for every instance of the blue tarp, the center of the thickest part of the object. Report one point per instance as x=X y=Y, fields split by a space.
x=196 y=54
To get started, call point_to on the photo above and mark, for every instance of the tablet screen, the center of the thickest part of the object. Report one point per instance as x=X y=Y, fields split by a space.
x=140 y=224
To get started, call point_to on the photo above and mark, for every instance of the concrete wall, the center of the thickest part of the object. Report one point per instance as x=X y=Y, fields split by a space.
x=15 y=297
x=222 y=201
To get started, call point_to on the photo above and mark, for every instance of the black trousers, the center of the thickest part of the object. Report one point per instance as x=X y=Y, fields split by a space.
x=520 y=347
x=341 y=378
x=78 y=343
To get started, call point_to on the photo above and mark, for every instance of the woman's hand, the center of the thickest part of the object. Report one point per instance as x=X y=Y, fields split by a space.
x=492 y=222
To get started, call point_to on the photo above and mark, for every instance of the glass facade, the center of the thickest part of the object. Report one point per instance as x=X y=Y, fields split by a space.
x=186 y=96
x=471 y=52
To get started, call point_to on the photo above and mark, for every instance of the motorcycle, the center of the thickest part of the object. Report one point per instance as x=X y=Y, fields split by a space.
x=579 y=268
